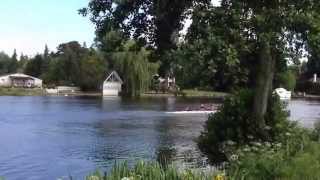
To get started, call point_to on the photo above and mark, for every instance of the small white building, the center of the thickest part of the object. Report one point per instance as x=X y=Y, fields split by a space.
x=20 y=81
x=315 y=78
x=112 y=85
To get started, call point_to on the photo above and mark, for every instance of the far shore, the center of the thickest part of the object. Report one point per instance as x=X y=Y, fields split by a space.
x=150 y=94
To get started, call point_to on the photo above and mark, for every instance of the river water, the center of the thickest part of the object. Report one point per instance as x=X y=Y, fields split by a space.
x=50 y=137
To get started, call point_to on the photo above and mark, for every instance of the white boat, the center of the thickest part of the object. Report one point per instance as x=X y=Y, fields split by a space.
x=52 y=91
x=190 y=112
x=283 y=93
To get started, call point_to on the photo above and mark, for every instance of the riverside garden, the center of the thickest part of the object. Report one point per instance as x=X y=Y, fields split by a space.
x=244 y=48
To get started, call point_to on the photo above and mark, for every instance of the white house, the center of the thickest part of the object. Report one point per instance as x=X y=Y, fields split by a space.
x=112 y=85
x=20 y=80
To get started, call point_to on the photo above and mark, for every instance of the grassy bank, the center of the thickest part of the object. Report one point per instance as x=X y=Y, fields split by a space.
x=188 y=93
x=199 y=93
x=20 y=92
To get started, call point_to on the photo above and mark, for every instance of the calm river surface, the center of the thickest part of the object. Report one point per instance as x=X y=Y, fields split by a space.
x=50 y=137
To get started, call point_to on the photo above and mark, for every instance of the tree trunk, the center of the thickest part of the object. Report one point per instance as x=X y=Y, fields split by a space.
x=263 y=86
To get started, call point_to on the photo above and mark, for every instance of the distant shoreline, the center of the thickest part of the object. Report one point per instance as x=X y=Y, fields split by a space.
x=307 y=96
x=21 y=92
x=40 y=92
x=184 y=93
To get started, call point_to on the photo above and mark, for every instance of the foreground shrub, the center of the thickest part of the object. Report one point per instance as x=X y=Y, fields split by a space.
x=232 y=126
x=278 y=161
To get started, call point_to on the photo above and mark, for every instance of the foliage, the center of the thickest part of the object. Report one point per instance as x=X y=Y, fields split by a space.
x=150 y=171
x=210 y=65
x=70 y=54
x=9 y=64
x=233 y=124
x=134 y=66
x=34 y=66
x=296 y=156
x=55 y=73
x=151 y=23
x=22 y=63
x=93 y=71
x=213 y=55
x=13 y=65
x=4 y=63
x=72 y=64
x=38 y=65
x=287 y=80
x=313 y=48
x=308 y=87
x=76 y=65
x=277 y=31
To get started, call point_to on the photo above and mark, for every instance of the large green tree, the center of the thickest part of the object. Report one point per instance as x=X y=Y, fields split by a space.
x=46 y=59
x=151 y=23
x=276 y=29
x=313 y=65
x=74 y=64
x=213 y=54
x=93 y=70
x=34 y=66
x=70 y=55
x=132 y=62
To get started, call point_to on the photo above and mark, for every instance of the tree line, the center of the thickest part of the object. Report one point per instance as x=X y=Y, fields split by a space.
x=72 y=64
x=221 y=48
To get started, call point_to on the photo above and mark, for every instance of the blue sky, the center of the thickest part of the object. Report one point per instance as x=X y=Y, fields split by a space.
x=27 y=25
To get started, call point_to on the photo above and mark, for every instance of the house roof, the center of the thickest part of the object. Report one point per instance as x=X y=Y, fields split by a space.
x=114 y=77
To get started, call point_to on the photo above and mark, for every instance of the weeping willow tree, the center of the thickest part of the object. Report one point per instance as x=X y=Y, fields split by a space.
x=133 y=64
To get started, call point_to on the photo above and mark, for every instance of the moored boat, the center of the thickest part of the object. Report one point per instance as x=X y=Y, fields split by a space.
x=283 y=93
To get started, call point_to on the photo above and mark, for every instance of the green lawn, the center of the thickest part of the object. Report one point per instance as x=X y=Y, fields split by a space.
x=199 y=93
x=20 y=92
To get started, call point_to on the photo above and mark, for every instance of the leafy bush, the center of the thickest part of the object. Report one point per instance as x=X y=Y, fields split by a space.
x=232 y=126
x=296 y=158
x=287 y=80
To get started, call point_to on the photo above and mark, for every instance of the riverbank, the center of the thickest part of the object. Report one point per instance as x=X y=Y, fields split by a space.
x=189 y=93
x=199 y=93
x=80 y=93
x=21 y=92
x=306 y=96
x=41 y=92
